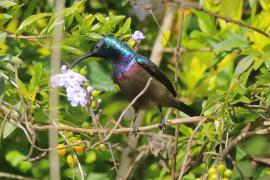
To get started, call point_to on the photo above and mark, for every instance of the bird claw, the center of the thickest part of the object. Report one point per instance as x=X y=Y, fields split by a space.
x=162 y=124
x=135 y=129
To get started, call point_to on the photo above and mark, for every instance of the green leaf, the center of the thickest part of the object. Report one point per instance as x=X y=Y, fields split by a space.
x=189 y=176
x=35 y=81
x=239 y=154
x=68 y=20
x=2 y=85
x=3 y=37
x=241 y=115
x=7 y=129
x=16 y=159
x=78 y=18
x=110 y=24
x=97 y=176
x=234 y=41
x=5 y=16
x=239 y=98
x=101 y=18
x=124 y=28
x=87 y=22
x=73 y=50
x=232 y=8
x=99 y=76
x=244 y=65
x=165 y=38
x=23 y=90
x=93 y=36
x=90 y=157
x=7 y=4
x=206 y=22
x=185 y=130
x=31 y=19
x=266 y=56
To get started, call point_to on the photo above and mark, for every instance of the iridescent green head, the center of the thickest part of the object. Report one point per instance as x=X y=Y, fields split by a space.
x=107 y=47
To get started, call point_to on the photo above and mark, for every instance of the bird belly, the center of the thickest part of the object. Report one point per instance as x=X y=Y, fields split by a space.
x=134 y=81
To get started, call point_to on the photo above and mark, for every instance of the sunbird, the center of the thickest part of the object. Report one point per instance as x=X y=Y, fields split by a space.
x=132 y=71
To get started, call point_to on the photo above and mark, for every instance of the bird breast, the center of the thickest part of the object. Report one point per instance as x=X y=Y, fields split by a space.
x=132 y=81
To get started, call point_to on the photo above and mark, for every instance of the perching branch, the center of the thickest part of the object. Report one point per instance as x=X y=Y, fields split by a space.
x=92 y=132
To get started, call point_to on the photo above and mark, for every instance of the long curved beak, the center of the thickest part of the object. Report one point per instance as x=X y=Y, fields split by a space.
x=86 y=55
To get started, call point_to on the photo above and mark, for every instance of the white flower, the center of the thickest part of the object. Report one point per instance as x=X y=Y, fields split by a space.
x=89 y=89
x=73 y=83
x=64 y=68
x=137 y=36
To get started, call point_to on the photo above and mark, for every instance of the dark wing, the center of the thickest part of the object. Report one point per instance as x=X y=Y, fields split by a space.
x=154 y=70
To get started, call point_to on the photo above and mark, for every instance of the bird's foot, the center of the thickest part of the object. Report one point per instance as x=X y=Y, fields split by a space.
x=162 y=124
x=135 y=129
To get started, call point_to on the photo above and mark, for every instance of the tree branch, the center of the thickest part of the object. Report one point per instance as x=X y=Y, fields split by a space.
x=240 y=137
x=92 y=132
x=14 y=176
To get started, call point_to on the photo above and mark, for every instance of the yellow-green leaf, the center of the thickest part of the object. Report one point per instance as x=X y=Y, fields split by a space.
x=31 y=19
x=23 y=90
x=165 y=38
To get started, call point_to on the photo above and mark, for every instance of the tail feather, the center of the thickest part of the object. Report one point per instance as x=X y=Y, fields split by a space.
x=184 y=108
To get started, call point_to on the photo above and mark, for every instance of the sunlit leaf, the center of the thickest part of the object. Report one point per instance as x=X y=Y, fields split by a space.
x=7 y=3
x=4 y=18
x=165 y=38
x=23 y=90
x=124 y=28
x=87 y=22
x=243 y=65
x=185 y=130
x=8 y=128
x=206 y=22
x=32 y=19
x=3 y=37
x=35 y=81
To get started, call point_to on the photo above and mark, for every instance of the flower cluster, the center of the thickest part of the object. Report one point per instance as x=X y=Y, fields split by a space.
x=137 y=36
x=73 y=82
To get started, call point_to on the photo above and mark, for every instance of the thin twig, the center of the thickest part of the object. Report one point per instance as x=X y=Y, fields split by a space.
x=239 y=138
x=161 y=30
x=177 y=62
x=187 y=156
x=101 y=135
x=129 y=106
x=38 y=157
x=14 y=176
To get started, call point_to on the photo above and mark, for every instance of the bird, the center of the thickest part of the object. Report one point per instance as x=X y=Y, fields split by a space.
x=131 y=72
